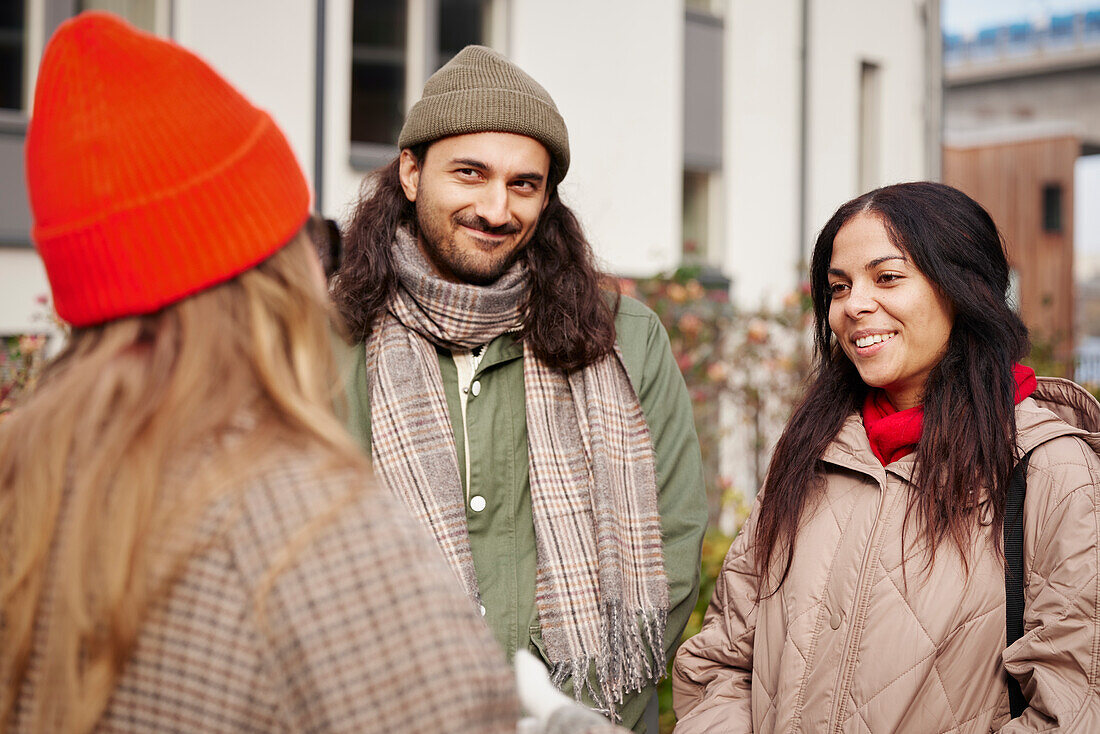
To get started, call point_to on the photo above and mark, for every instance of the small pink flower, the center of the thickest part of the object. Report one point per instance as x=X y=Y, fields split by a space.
x=31 y=343
x=757 y=333
x=717 y=371
x=690 y=324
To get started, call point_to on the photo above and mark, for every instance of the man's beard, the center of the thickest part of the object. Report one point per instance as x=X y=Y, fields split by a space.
x=439 y=245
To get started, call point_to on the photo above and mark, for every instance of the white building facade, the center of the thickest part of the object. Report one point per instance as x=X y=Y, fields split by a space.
x=718 y=132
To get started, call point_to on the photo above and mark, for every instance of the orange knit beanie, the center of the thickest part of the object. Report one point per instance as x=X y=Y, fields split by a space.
x=150 y=177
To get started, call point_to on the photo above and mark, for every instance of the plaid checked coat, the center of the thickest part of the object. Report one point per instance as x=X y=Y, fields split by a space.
x=366 y=630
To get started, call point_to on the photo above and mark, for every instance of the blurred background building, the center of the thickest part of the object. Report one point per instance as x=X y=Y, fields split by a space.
x=1022 y=106
x=716 y=134
x=712 y=132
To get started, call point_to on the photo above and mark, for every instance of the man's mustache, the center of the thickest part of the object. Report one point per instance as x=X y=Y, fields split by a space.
x=480 y=224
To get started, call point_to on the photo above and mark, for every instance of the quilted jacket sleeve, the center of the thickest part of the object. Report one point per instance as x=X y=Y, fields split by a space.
x=712 y=674
x=1057 y=661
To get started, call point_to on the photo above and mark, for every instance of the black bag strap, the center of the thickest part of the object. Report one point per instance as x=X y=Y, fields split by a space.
x=1014 y=573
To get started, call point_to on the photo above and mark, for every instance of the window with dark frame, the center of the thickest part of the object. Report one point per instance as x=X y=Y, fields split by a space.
x=12 y=51
x=870 y=124
x=461 y=23
x=696 y=217
x=380 y=56
x=141 y=13
x=704 y=40
x=1052 y=208
x=378 y=50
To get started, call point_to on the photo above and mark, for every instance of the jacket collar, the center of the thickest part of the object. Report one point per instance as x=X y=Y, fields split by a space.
x=1058 y=407
x=503 y=348
x=851 y=449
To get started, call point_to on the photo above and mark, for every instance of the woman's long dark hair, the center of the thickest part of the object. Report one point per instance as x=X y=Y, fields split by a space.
x=570 y=322
x=968 y=440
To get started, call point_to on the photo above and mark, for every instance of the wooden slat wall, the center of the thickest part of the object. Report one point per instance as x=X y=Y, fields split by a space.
x=1008 y=180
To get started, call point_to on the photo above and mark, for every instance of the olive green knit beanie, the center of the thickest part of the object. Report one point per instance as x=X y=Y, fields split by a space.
x=479 y=90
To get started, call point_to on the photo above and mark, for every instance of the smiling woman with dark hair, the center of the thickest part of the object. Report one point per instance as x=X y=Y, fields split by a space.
x=867 y=590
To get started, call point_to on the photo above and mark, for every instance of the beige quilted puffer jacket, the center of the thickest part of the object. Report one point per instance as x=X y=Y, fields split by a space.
x=850 y=643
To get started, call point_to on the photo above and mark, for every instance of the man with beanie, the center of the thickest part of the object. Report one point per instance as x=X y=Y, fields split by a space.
x=535 y=423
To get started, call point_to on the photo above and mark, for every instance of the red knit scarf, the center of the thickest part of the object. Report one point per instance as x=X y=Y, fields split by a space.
x=894 y=433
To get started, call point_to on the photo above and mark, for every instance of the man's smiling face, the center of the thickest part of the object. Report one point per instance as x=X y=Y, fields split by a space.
x=478 y=201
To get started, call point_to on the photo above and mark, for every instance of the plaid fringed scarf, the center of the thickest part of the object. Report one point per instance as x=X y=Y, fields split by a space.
x=601 y=591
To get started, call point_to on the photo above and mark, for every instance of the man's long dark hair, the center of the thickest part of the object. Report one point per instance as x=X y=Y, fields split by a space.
x=569 y=323
x=968 y=439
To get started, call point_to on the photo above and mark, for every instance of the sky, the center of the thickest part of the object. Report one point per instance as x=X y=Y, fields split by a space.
x=967 y=17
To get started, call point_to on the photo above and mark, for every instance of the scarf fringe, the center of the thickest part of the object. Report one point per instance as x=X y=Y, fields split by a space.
x=630 y=658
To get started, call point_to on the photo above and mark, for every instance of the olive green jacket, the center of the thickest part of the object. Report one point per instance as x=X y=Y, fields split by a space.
x=498 y=513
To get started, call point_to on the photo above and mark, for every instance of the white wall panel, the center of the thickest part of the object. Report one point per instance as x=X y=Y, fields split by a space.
x=763 y=70
x=266 y=49
x=615 y=69
x=845 y=32
x=22 y=282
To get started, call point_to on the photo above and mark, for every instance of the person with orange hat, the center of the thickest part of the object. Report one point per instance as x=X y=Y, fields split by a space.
x=190 y=540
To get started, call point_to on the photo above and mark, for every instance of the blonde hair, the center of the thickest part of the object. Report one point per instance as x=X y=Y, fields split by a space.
x=105 y=468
